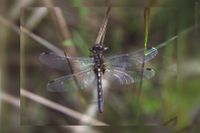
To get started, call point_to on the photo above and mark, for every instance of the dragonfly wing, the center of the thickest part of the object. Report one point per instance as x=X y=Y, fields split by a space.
x=128 y=76
x=117 y=76
x=84 y=79
x=132 y=59
x=61 y=62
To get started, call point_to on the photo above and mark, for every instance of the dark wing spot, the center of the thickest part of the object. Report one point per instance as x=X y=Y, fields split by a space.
x=52 y=81
x=149 y=69
x=149 y=47
x=46 y=53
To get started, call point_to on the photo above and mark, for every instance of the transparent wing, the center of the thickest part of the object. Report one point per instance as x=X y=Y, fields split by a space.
x=127 y=76
x=85 y=79
x=132 y=59
x=61 y=62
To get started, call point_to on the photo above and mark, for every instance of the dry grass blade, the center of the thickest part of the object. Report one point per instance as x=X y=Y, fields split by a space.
x=102 y=31
x=60 y=108
x=60 y=24
x=62 y=29
x=41 y=41
x=186 y=31
x=37 y=16
x=24 y=30
x=146 y=20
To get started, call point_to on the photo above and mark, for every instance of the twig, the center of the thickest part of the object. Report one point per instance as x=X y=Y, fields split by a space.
x=8 y=23
x=81 y=129
x=60 y=108
x=15 y=10
x=10 y=99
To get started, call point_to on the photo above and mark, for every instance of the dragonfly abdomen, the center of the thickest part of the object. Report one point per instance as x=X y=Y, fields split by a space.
x=99 y=90
x=98 y=70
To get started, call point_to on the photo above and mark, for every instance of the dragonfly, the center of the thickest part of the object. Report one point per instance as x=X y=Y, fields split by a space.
x=123 y=69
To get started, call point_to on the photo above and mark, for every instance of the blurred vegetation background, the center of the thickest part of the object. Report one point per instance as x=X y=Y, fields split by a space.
x=170 y=100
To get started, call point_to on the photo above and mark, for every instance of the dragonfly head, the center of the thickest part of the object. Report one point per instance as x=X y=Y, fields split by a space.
x=98 y=48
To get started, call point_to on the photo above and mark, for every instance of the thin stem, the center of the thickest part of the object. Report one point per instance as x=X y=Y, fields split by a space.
x=146 y=20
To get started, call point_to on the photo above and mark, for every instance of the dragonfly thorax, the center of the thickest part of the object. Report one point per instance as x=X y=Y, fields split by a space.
x=98 y=60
